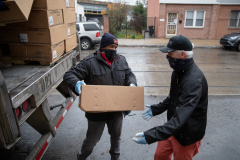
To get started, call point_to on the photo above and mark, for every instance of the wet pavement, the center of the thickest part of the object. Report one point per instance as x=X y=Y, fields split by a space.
x=221 y=141
x=221 y=68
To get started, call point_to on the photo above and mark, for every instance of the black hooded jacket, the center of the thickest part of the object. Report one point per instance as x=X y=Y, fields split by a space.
x=94 y=70
x=186 y=107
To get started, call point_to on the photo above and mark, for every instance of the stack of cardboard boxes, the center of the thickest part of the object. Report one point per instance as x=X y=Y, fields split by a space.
x=49 y=32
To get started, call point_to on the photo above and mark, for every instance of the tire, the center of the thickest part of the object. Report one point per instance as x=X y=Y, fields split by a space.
x=238 y=47
x=85 y=44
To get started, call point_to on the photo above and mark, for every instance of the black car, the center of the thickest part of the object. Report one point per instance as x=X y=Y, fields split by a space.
x=231 y=41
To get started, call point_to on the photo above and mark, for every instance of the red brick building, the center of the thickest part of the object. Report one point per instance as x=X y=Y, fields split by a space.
x=196 y=19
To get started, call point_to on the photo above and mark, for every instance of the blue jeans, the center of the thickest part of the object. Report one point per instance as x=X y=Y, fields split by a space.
x=94 y=133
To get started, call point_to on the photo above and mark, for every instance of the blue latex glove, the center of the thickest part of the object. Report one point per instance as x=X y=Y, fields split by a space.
x=139 y=138
x=148 y=114
x=78 y=87
x=132 y=85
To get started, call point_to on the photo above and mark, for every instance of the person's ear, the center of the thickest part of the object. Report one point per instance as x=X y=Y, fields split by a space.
x=183 y=55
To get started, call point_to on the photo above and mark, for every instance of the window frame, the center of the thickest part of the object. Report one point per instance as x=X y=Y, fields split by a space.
x=238 y=19
x=194 y=19
x=97 y=29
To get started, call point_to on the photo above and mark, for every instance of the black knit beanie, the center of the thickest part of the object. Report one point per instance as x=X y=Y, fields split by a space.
x=108 y=39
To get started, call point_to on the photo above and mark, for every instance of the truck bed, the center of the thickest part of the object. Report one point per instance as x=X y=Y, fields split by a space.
x=24 y=81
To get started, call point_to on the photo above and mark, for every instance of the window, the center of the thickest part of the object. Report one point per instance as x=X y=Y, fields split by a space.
x=195 y=19
x=90 y=27
x=234 y=21
x=78 y=28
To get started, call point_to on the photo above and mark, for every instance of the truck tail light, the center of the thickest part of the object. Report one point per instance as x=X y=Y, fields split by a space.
x=26 y=106
x=98 y=34
x=19 y=112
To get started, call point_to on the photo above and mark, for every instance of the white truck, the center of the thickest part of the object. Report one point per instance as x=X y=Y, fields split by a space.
x=24 y=91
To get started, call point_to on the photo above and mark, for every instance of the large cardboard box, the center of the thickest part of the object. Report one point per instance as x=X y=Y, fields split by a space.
x=70 y=43
x=45 y=53
x=43 y=19
x=17 y=11
x=71 y=29
x=8 y=35
x=17 y=49
x=48 y=4
x=36 y=52
x=98 y=98
x=50 y=36
x=69 y=15
x=70 y=3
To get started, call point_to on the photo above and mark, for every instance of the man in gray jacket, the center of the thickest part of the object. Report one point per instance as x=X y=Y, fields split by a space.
x=104 y=67
x=186 y=106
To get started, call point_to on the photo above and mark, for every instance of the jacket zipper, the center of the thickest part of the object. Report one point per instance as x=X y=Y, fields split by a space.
x=112 y=71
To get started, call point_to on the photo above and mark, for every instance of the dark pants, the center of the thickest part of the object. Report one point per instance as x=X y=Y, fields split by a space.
x=94 y=133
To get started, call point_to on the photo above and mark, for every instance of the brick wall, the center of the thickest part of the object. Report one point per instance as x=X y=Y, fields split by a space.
x=223 y=20
x=106 y=23
x=216 y=20
x=193 y=33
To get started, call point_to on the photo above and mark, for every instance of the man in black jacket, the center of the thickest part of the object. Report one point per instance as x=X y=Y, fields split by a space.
x=104 y=67
x=186 y=106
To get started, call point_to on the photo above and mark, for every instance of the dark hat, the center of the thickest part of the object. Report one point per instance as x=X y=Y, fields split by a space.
x=177 y=43
x=108 y=39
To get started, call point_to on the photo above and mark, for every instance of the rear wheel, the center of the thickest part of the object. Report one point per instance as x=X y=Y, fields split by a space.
x=238 y=47
x=85 y=44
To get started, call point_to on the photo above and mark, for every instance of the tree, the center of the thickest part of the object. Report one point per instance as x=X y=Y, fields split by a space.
x=139 y=13
x=117 y=13
x=139 y=9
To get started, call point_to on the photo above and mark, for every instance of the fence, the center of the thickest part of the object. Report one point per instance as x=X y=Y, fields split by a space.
x=136 y=27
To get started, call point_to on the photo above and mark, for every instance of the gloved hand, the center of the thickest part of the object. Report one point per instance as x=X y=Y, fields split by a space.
x=148 y=114
x=78 y=87
x=132 y=85
x=139 y=138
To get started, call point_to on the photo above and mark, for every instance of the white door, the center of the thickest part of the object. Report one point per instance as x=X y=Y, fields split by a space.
x=172 y=25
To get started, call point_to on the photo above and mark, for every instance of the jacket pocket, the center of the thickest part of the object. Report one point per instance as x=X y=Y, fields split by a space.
x=98 y=73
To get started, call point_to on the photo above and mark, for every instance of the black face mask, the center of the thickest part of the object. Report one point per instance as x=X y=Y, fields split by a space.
x=109 y=53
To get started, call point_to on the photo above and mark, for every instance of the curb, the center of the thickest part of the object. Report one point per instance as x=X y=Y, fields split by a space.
x=161 y=45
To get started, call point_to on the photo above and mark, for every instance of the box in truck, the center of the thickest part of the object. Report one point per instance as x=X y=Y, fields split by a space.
x=15 y=11
x=50 y=36
x=42 y=19
x=48 y=4
x=70 y=43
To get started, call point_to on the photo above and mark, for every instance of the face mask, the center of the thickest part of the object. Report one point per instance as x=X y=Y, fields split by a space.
x=109 y=53
x=176 y=63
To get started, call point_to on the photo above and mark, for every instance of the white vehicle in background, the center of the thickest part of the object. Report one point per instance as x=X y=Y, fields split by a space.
x=89 y=34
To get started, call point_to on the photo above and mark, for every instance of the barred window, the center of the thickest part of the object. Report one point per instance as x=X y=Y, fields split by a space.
x=234 y=21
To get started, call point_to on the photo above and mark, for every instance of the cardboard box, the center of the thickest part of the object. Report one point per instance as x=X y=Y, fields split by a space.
x=70 y=3
x=99 y=98
x=50 y=36
x=17 y=11
x=48 y=4
x=43 y=19
x=70 y=43
x=69 y=15
x=17 y=49
x=8 y=35
x=71 y=29
x=45 y=53
x=36 y=52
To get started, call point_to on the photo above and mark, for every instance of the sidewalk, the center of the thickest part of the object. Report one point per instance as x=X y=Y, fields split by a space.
x=163 y=42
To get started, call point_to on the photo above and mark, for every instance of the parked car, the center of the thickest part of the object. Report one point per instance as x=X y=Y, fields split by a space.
x=231 y=41
x=89 y=34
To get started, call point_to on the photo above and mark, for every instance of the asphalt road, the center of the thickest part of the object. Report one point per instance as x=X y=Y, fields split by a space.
x=221 y=141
